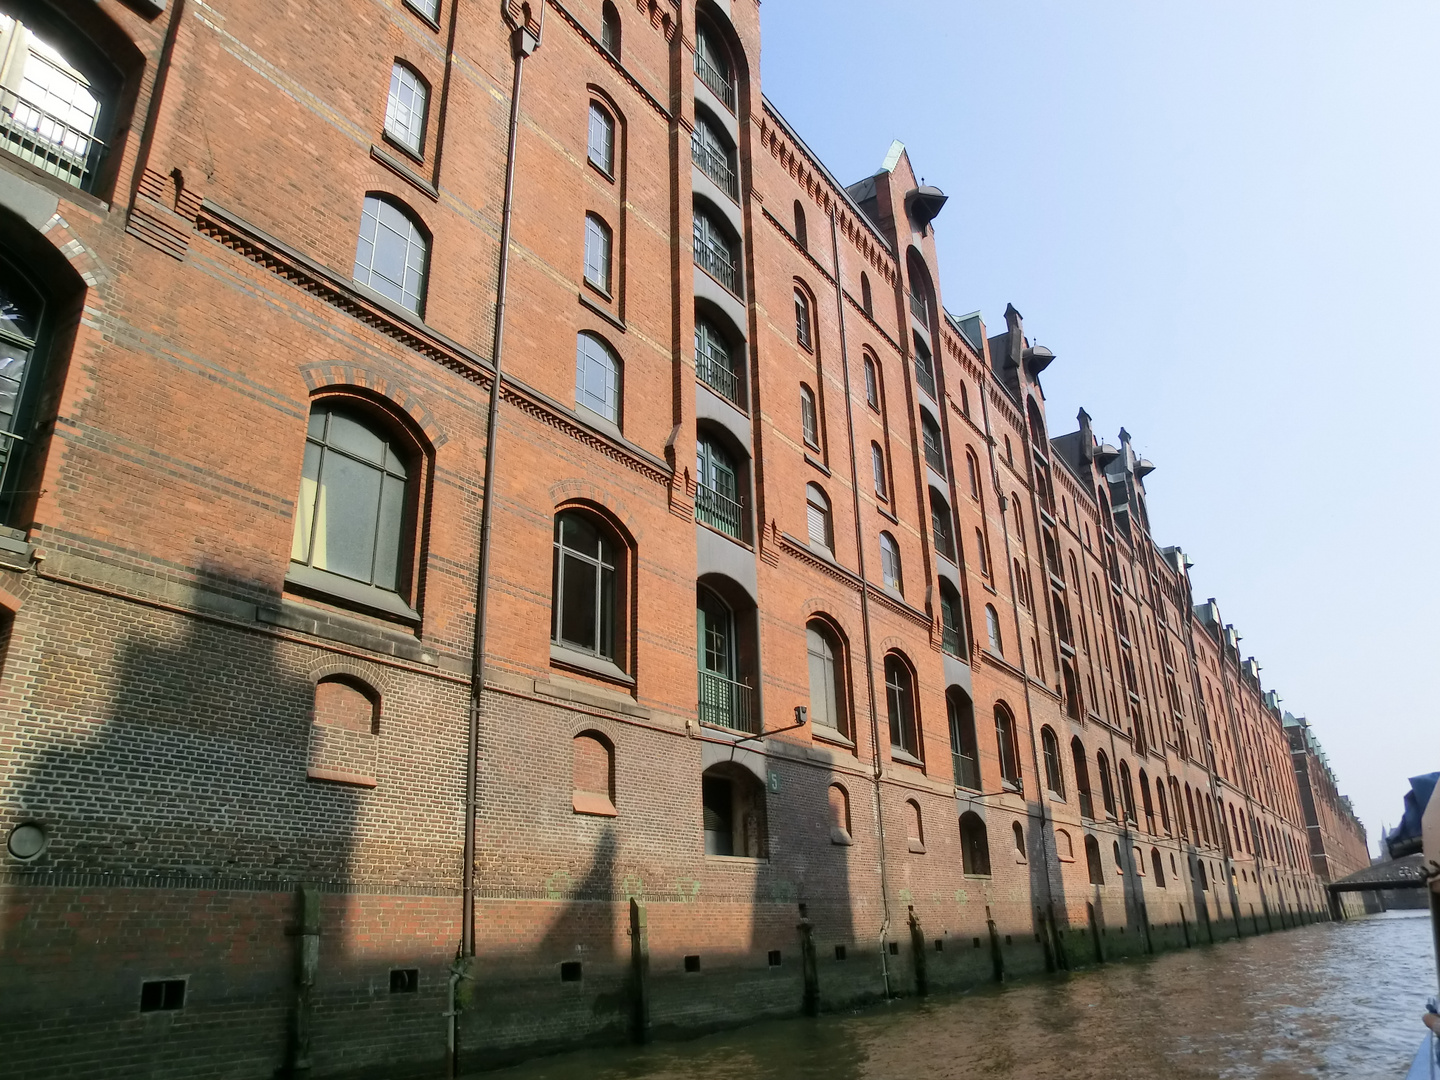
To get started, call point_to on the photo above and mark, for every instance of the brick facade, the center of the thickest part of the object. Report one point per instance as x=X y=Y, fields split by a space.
x=251 y=776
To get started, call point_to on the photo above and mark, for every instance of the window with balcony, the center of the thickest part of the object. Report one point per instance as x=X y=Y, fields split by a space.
x=828 y=697
x=392 y=255
x=712 y=65
x=919 y=304
x=1072 y=690
x=940 y=526
x=964 y=751
x=901 y=706
x=809 y=418
x=890 y=563
x=715 y=363
x=355 y=517
x=933 y=442
x=405 y=108
x=712 y=152
x=597 y=378
x=726 y=699
x=51 y=113
x=952 y=622
x=22 y=317
x=586 y=586
x=924 y=368
x=1006 y=745
x=817 y=517
x=714 y=251
x=717 y=488
x=597 y=254
x=802 y=320
x=600 y=144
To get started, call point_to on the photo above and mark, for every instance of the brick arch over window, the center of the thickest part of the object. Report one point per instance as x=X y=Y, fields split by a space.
x=593 y=769
x=345 y=726
x=341 y=377
x=343 y=701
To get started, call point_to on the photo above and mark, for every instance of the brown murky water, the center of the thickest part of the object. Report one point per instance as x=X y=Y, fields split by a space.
x=1330 y=1000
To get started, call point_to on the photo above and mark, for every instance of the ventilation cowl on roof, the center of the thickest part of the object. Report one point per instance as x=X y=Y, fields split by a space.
x=925 y=203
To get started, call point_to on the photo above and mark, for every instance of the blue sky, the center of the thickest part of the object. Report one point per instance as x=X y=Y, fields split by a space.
x=1223 y=219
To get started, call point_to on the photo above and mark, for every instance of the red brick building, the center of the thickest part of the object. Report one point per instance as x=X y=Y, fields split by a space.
x=944 y=710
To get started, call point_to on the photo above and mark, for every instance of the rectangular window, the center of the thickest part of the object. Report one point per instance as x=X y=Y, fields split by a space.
x=162 y=995
x=429 y=9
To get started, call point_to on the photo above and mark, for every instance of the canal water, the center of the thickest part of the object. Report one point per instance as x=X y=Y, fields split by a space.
x=1339 y=1000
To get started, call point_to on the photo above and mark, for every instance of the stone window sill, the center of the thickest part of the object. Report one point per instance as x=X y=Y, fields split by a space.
x=598 y=666
x=896 y=754
x=840 y=836
x=594 y=804
x=830 y=735
x=350 y=593
x=335 y=776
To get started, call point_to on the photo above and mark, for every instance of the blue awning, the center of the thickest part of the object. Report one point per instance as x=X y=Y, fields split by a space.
x=1405 y=839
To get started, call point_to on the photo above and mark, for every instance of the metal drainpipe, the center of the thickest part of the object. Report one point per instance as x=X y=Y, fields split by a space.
x=1019 y=632
x=522 y=43
x=864 y=601
x=1231 y=715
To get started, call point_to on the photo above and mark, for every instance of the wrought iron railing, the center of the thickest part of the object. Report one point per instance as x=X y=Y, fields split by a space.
x=920 y=310
x=925 y=377
x=727 y=703
x=951 y=641
x=719 y=511
x=715 y=165
x=715 y=261
x=720 y=377
x=715 y=79
x=46 y=141
x=967 y=770
x=934 y=457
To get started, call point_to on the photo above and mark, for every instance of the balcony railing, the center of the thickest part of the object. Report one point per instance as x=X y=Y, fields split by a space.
x=46 y=141
x=920 y=310
x=967 y=770
x=716 y=166
x=719 y=511
x=727 y=703
x=715 y=79
x=933 y=455
x=925 y=377
x=715 y=261
x=721 y=378
x=951 y=641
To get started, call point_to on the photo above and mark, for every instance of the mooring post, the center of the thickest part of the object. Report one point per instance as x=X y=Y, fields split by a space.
x=639 y=971
x=917 y=950
x=810 y=1001
x=1184 y=925
x=1095 y=934
x=307 y=931
x=997 y=958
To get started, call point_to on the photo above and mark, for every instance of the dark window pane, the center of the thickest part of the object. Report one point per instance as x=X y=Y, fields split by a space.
x=355 y=438
x=577 y=595
x=387 y=534
x=607 y=613
x=349 y=502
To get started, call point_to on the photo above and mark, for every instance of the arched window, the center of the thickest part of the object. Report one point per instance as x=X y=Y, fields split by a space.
x=817 y=517
x=610 y=29
x=924 y=368
x=712 y=65
x=1054 y=771
x=992 y=628
x=964 y=753
x=952 y=623
x=1082 y=777
x=405 y=108
x=866 y=303
x=1019 y=831
x=714 y=252
x=1119 y=862
x=1107 y=787
x=1005 y=743
x=597 y=253
x=802 y=320
x=346 y=703
x=801 y=236
x=585 y=608
x=712 y=151
x=52 y=112
x=734 y=812
x=809 y=418
x=1127 y=793
x=393 y=254
x=597 y=378
x=872 y=385
x=940 y=525
x=974 y=845
x=23 y=329
x=715 y=362
x=877 y=469
x=601 y=142
x=932 y=441
x=1146 y=802
x=890 y=563
x=900 y=704
x=1064 y=846
x=828 y=700
x=964 y=399
x=1157 y=868
x=593 y=760
x=839 y=800
x=915 y=827
x=1194 y=821
x=725 y=699
x=1093 y=865
x=1020 y=583
x=1164 y=807
x=354 y=519
x=717 y=488
x=1072 y=690
x=982 y=554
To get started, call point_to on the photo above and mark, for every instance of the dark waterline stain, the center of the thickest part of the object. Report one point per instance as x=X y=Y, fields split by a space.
x=1331 y=1000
